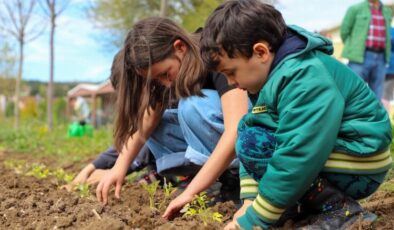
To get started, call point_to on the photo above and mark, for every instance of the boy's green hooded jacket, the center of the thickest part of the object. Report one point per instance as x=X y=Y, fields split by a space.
x=325 y=119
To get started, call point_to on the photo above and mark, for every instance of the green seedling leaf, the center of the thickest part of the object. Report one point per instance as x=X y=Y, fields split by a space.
x=151 y=189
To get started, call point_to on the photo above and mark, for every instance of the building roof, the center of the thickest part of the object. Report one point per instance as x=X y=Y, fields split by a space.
x=90 y=89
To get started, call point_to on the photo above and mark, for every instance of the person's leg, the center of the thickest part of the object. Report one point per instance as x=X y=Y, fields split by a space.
x=377 y=74
x=201 y=121
x=355 y=186
x=167 y=143
x=361 y=70
x=107 y=159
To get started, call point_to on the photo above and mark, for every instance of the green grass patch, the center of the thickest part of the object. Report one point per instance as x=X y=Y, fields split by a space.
x=34 y=139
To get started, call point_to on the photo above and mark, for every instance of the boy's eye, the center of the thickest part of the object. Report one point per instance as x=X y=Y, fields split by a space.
x=231 y=73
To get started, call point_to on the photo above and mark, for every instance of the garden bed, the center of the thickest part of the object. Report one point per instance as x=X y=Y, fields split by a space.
x=30 y=202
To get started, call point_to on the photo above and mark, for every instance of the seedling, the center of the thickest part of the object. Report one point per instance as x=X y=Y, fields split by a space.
x=199 y=207
x=62 y=176
x=19 y=166
x=83 y=190
x=39 y=171
x=168 y=190
x=151 y=189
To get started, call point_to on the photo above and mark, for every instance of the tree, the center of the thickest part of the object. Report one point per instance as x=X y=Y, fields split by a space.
x=52 y=9
x=117 y=17
x=15 y=20
x=7 y=61
x=198 y=11
x=163 y=8
x=7 y=70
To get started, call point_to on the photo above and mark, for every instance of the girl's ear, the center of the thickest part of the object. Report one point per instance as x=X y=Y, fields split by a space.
x=261 y=50
x=179 y=46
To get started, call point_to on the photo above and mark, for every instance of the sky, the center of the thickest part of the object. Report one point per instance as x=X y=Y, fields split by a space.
x=80 y=56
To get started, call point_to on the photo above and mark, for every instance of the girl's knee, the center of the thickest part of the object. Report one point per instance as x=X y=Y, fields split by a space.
x=200 y=111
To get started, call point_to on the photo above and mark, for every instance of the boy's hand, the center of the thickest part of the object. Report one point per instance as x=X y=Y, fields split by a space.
x=177 y=204
x=113 y=177
x=241 y=211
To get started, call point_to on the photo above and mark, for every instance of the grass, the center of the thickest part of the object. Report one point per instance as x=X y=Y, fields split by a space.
x=34 y=139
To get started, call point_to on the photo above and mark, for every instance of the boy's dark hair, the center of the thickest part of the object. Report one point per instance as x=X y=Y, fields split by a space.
x=235 y=26
x=117 y=68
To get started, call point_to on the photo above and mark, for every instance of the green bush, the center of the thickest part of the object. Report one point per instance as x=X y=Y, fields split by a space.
x=9 y=109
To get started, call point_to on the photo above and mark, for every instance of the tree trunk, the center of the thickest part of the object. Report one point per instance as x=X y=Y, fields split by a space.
x=51 y=74
x=18 y=83
x=163 y=8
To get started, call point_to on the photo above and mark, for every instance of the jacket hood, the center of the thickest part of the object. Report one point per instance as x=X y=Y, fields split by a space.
x=300 y=41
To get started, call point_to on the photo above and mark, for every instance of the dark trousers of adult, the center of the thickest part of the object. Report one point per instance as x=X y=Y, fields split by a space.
x=372 y=70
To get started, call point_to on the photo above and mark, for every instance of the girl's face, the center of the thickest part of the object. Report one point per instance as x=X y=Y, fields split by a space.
x=166 y=71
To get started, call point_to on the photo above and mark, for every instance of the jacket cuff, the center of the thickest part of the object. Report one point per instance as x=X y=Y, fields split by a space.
x=249 y=188
x=261 y=213
x=250 y=220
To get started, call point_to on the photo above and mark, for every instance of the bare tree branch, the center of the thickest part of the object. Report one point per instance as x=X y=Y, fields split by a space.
x=44 y=8
x=16 y=21
x=62 y=8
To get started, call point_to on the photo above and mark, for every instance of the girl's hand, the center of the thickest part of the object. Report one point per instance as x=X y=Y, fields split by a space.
x=232 y=226
x=241 y=211
x=82 y=177
x=97 y=175
x=113 y=177
x=177 y=204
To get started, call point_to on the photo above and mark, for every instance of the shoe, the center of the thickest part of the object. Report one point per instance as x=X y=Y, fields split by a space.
x=330 y=209
x=150 y=177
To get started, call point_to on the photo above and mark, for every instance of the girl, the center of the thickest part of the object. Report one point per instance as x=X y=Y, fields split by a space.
x=187 y=116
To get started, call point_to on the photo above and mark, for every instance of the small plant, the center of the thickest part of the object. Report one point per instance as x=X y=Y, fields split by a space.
x=151 y=189
x=168 y=189
x=39 y=171
x=83 y=190
x=19 y=166
x=62 y=176
x=199 y=207
x=133 y=176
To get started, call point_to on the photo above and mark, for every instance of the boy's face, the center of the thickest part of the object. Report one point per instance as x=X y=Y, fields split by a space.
x=248 y=74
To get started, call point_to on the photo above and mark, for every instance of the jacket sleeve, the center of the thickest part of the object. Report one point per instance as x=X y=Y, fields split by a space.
x=347 y=24
x=310 y=109
x=249 y=186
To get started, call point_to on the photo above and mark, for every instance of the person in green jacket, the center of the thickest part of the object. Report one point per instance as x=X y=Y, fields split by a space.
x=365 y=32
x=317 y=138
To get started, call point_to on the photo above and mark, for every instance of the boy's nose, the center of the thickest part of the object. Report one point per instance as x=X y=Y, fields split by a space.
x=231 y=81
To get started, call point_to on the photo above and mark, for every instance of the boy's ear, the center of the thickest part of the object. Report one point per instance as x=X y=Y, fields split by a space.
x=179 y=46
x=261 y=50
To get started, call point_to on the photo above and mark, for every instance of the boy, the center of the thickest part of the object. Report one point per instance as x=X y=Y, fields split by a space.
x=316 y=140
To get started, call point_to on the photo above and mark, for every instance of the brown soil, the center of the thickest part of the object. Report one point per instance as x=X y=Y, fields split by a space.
x=30 y=203
x=381 y=204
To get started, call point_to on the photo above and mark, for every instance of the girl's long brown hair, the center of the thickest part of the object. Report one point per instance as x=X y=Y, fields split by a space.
x=151 y=41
